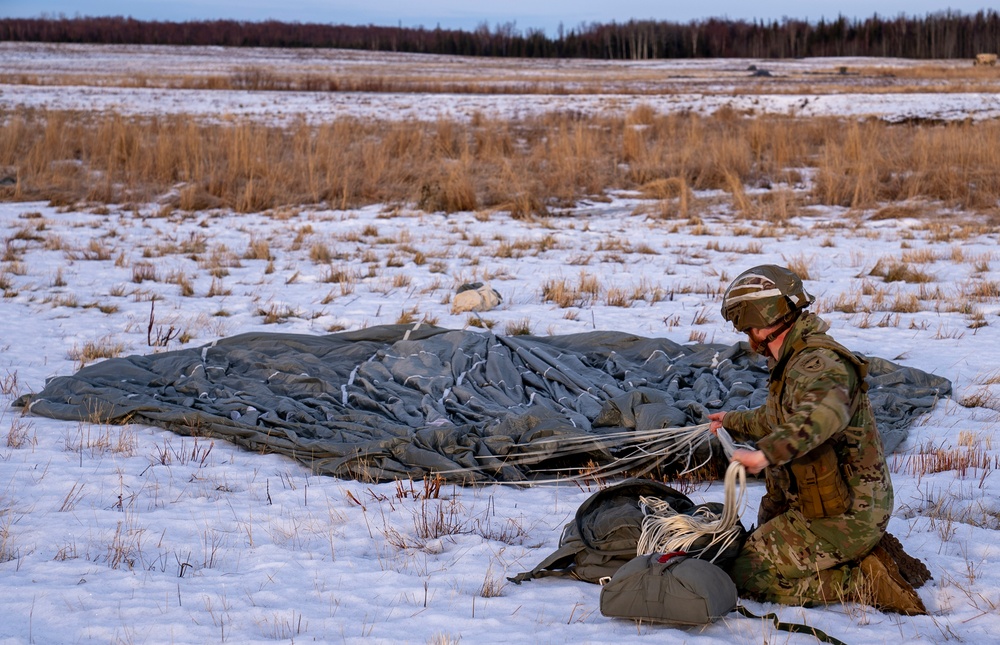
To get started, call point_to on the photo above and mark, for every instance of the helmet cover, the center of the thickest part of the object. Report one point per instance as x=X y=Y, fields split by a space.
x=763 y=296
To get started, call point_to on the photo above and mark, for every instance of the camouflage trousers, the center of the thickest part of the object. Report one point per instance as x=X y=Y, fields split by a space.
x=786 y=560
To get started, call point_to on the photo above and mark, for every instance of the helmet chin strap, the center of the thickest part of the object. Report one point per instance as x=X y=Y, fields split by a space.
x=763 y=347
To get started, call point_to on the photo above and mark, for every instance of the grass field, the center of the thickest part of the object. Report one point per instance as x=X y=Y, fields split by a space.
x=159 y=198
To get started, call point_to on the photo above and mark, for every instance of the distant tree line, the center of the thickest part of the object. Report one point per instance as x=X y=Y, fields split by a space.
x=935 y=35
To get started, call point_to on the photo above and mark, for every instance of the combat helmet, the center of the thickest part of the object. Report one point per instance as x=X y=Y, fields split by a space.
x=763 y=296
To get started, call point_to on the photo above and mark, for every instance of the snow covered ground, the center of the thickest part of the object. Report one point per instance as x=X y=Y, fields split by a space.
x=801 y=87
x=137 y=535
x=289 y=107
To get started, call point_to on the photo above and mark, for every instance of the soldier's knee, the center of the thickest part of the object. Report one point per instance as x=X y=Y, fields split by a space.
x=753 y=575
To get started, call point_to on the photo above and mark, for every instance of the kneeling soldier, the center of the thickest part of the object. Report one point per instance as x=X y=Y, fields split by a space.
x=829 y=495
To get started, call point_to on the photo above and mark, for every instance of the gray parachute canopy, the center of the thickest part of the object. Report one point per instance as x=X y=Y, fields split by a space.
x=406 y=401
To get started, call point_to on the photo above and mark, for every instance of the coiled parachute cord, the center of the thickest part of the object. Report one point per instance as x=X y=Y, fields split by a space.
x=664 y=530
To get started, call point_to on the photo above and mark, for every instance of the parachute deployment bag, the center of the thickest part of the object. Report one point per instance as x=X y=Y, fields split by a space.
x=669 y=588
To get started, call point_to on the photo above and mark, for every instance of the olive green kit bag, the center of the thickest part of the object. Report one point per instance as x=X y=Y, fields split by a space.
x=669 y=588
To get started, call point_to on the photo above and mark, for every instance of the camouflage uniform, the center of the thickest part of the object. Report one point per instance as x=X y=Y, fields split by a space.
x=815 y=401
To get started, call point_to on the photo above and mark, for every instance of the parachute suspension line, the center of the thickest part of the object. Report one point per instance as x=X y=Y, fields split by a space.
x=633 y=453
x=728 y=445
x=664 y=530
x=652 y=448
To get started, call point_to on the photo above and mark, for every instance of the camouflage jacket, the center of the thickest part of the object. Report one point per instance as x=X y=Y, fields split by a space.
x=815 y=397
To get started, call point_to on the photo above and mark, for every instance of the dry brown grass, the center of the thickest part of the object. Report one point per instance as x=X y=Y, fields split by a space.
x=518 y=327
x=560 y=292
x=21 y=433
x=142 y=271
x=848 y=303
x=964 y=460
x=94 y=350
x=944 y=74
x=800 y=265
x=871 y=163
x=982 y=290
x=893 y=270
x=527 y=166
x=563 y=293
x=907 y=303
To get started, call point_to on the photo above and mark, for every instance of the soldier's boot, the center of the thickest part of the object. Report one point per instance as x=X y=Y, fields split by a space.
x=912 y=569
x=883 y=587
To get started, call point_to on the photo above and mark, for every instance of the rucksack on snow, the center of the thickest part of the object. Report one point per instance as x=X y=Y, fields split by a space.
x=604 y=534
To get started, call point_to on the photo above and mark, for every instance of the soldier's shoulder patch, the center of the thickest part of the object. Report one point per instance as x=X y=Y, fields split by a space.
x=816 y=363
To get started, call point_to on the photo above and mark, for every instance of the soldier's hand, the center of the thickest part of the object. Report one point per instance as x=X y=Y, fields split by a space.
x=753 y=460
x=715 y=422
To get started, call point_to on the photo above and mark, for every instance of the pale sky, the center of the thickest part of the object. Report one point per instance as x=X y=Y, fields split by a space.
x=467 y=14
